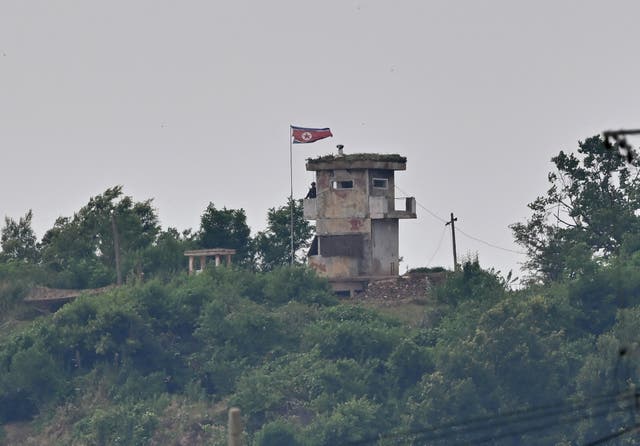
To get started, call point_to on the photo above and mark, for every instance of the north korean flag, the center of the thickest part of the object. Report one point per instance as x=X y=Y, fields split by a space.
x=304 y=135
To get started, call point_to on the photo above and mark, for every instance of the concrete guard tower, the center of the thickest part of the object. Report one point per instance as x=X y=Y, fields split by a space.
x=356 y=218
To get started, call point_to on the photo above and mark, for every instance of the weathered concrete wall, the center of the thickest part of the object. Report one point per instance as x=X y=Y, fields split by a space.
x=365 y=262
x=385 y=242
x=378 y=206
x=309 y=208
x=335 y=266
x=327 y=226
x=342 y=203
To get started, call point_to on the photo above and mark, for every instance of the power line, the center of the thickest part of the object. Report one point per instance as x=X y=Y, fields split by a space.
x=437 y=217
x=472 y=425
x=490 y=244
x=510 y=421
x=433 y=214
x=444 y=230
x=471 y=432
x=543 y=426
x=624 y=431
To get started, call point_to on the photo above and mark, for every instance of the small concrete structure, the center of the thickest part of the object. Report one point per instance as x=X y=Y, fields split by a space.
x=202 y=254
x=357 y=237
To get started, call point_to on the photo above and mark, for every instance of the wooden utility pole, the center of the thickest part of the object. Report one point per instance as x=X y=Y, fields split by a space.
x=453 y=238
x=235 y=428
x=116 y=248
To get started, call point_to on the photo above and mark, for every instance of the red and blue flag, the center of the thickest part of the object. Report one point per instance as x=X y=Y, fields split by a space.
x=305 y=135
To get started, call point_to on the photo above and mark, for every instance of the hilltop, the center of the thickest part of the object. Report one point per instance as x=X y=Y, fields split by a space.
x=409 y=361
x=160 y=362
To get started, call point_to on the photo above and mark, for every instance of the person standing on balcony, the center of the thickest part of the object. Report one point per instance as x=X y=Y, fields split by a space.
x=312 y=191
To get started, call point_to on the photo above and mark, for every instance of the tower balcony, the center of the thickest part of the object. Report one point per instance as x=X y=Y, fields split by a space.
x=379 y=208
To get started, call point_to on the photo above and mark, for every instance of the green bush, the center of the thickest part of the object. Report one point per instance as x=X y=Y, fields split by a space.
x=356 y=420
x=117 y=425
x=300 y=284
x=348 y=332
x=30 y=379
x=11 y=294
x=472 y=283
x=408 y=362
x=278 y=433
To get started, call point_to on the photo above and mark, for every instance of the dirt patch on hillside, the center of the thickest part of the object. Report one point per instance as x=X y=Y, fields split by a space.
x=16 y=433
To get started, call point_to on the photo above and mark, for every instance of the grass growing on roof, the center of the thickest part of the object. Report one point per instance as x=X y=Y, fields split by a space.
x=384 y=157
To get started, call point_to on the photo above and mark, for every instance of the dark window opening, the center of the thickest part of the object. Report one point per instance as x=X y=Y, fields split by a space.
x=345 y=184
x=380 y=183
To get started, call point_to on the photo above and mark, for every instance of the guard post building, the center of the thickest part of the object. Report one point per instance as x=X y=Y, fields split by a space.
x=356 y=218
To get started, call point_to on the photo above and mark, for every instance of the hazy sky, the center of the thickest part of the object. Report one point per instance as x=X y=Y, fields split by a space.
x=190 y=102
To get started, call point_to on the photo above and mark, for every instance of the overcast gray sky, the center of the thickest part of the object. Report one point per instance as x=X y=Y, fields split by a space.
x=189 y=102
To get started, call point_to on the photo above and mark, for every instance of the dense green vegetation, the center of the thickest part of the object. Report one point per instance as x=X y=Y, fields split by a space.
x=160 y=359
x=80 y=251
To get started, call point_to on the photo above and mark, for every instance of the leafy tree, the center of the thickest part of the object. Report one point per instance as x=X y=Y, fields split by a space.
x=19 y=263
x=297 y=283
x=588 y=211
x=273 y=245
x=520 y=352
x=82 y=247
x=355 y=421
x=29 y=379
x=409 y=361
x=226 y=228
x=611 y=367
x=18 y=241
x=351 y=332
x=166 y=255
x=473 y=284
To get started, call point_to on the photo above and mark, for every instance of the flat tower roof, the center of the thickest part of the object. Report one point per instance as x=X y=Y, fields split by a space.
x=358 y=161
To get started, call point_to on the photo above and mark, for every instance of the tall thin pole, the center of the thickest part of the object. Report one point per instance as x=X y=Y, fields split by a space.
x=116 y=248
x=453 y=239
x=291 y=191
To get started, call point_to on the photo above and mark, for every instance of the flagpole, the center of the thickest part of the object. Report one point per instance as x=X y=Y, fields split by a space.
x=291 y=184
x=301 y=135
